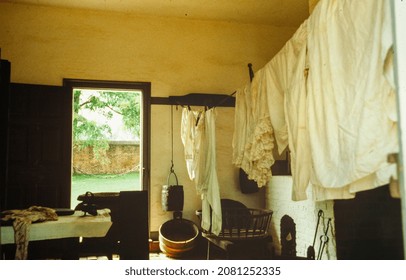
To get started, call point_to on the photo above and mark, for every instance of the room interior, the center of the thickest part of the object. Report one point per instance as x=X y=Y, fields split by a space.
x=169 y=49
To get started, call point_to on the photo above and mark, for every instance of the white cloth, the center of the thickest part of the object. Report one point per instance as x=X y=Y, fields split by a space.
x=243 y=128
x=253 y=139
x=350 y=109
x=199 y=133
x=295 y=53
x=22 y=220
x=211 y=197
x=241 y=122
x=260 y=142
x=188 y=137
x=277 y=74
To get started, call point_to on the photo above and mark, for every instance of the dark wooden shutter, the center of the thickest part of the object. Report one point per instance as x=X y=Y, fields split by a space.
x=39 y=152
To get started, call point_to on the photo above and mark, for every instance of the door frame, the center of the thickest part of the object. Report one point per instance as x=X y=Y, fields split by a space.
x=398 y=10
x=145 y=88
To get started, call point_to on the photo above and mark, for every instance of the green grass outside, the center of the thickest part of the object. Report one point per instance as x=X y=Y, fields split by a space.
x=103 y=183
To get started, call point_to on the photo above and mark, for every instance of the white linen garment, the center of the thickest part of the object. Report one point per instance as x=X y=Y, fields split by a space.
x=208 y=181
x=253 y=139
x=188 y=137
x=295 y=51
x=199 y=133
x=241 y=122
x=276 y=76
x=260 y=142
x=350 y=104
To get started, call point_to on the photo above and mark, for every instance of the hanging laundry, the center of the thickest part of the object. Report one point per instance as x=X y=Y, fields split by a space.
x=295 y=54
x=258 y=156
x=211 y=197
x=276 y=77
x=188 y=132
x=198 y=132
x=350 y=103
x=242 y=115
x=243 y=128
x=284 y=84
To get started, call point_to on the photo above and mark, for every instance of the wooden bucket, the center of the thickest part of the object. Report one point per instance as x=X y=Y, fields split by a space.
x=172 y=195
x=178 y=237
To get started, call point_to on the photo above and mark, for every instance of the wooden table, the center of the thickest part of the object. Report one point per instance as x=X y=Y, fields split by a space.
x=76 y=225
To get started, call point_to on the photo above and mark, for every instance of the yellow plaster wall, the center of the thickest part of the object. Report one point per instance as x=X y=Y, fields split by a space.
x=312 y=5
x=178 y=56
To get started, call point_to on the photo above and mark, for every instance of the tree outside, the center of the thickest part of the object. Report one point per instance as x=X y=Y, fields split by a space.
x=93 y=111
x=100 y=117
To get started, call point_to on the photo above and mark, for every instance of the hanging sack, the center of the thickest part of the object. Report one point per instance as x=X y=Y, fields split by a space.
x=172 y=195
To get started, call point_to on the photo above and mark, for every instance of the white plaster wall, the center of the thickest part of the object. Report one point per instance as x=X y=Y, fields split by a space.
x=178 y=56
x=305 y=215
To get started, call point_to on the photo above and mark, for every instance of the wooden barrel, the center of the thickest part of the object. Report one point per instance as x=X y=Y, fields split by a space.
x=177 y=237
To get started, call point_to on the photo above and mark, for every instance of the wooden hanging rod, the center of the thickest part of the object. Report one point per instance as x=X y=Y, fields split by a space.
x=197 y=99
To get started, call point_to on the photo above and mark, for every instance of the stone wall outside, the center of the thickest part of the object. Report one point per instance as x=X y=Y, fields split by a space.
x=122 y=157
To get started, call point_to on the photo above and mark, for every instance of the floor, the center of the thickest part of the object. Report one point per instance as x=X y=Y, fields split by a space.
x=199 y=253
x=159 y=256
x=152 y=256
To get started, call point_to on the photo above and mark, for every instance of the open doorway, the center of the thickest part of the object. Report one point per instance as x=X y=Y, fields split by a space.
x=110 y=132
x=106 y=141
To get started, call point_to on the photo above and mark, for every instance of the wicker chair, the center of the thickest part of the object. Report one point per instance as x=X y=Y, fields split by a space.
x=244 y=231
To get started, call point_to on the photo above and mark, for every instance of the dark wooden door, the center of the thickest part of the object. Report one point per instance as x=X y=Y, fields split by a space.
x=40 y=144
x=5 y=67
